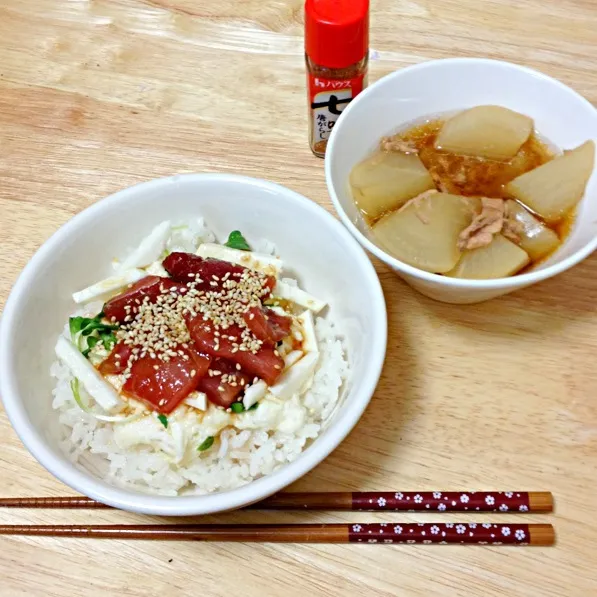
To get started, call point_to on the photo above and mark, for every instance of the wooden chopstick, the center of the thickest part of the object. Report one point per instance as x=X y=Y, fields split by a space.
x=380 y=534
x=392 y=501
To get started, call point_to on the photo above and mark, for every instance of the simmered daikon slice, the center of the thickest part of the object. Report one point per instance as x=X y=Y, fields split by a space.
x=490 y=132
x=424 y=233
x=499 y=259
x=534 y=237
x=554 y=188
x=385 y=181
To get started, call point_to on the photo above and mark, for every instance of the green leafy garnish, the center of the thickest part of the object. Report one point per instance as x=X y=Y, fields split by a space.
x=91 y=342
x=207 y=443
x=237 y=241
x=86 y=332
x=108 y=340
x=237 y=407
x=254 y=407
x=163 y=419
x=75 y=324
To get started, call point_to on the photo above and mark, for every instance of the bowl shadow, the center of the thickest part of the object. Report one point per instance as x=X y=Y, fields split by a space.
x=549 y=306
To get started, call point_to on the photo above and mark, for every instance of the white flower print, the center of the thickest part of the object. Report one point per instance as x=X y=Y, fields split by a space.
x=503 y=508
x=460 y=529
x=399 y=495
x=519 y=534
x=410 y=541
x=449 y=525
x=441 y=507
x=398 y=529
x=420 y=524
x=372 y=541
x=464 y=498
x=418 y=499
x=505 y=531
x=437 y=494
x=383 y=524
x=486 y=525
x=388 y=540
x=357 y=528
x=523 y=508
x=434 y=530
x=381 y=502
x=490 y=500
x=508 y=494
x=497 y=542
x=426 y=541
x=472 y=525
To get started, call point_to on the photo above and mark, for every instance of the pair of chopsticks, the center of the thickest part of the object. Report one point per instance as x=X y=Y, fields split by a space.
x=378 y=533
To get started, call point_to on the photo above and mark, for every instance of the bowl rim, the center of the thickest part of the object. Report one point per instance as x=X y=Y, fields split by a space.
x=254 y=491
x=455 y=283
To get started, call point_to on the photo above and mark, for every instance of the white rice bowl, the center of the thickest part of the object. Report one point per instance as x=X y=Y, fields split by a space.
x=145 y=456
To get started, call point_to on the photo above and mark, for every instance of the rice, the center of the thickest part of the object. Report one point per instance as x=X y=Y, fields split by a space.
x=145 y=456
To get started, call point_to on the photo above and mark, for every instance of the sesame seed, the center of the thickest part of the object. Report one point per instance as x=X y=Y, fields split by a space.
x=156 y=367
x=238 y=367
x=220 y=388
x=193 y=373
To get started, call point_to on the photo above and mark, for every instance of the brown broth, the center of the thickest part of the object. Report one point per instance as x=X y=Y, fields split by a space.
x=472 y=176
x=481 y=177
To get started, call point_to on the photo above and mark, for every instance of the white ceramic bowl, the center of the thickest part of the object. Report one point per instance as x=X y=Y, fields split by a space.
x=327 y=260
x=443 y=86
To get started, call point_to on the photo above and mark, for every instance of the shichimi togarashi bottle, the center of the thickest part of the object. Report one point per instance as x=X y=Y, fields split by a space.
x=337 y=56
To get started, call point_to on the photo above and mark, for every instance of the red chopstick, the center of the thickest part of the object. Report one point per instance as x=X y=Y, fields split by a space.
x=391 y=501
x=380 y=534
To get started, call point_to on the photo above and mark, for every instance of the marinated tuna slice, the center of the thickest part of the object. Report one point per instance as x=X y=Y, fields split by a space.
x=163 y=385
x=238 y=345
x=116 y=361
x=208 y=274
x=267 y=325
x=223 y=382
x=126 y=304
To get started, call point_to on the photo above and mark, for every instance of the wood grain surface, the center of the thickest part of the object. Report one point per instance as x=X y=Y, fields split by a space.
x=96 y=95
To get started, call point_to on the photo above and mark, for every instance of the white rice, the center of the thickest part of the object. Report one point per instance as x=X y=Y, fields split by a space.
x=145 y=456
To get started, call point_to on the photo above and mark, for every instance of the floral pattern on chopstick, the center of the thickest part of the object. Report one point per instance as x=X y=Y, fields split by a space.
x=443 y=501
x=441 y=533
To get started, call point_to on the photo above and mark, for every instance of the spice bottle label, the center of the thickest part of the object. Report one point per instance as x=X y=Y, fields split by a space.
x=327 y=100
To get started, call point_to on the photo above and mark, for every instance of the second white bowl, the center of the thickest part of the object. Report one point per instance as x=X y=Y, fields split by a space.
x=442 y=86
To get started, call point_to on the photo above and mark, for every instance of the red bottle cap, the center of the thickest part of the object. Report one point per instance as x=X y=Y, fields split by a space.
x=336 y=31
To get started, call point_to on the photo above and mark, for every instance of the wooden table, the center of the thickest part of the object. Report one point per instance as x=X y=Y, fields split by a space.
x=96 y=95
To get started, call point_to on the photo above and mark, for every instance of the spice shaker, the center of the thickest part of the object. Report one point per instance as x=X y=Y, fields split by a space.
x=337 y=56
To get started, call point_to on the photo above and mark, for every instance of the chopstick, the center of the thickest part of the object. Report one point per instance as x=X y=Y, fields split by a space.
x=380 y=534
x=392 y=501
